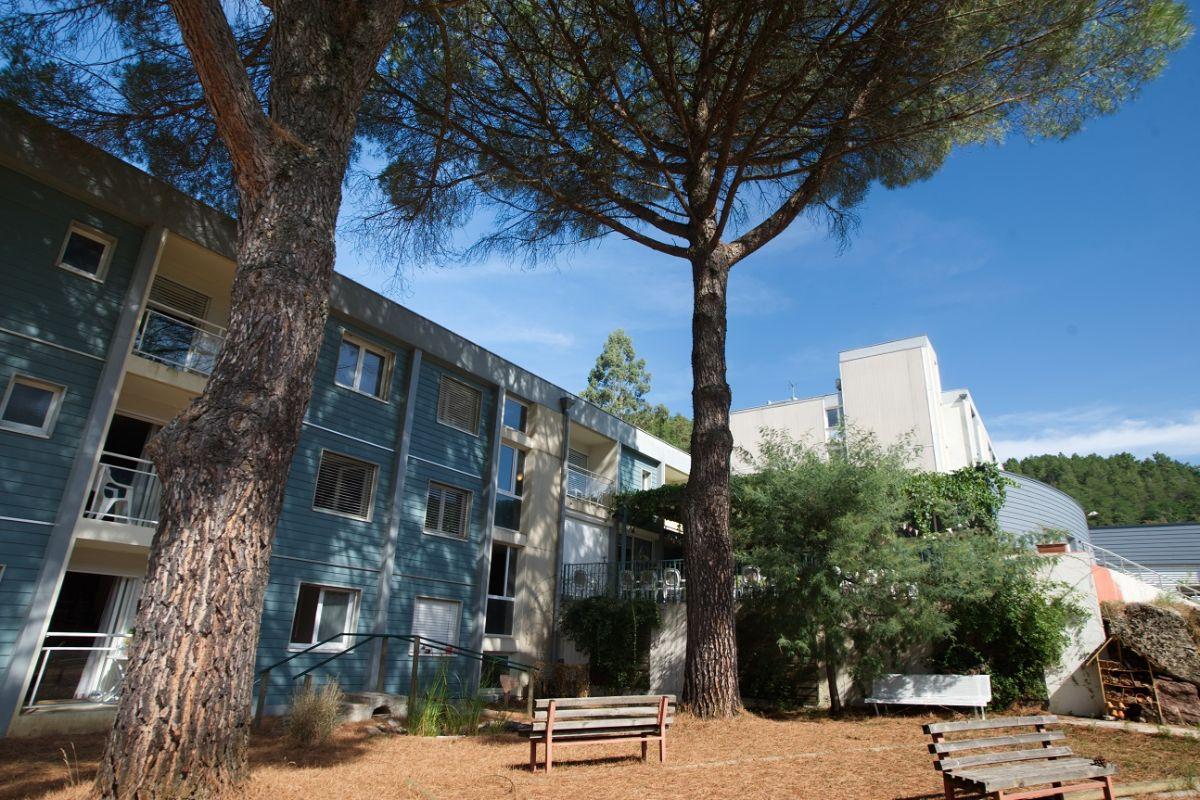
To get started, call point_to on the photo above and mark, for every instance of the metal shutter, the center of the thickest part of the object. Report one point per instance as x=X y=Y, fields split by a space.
x=167 y=292
x=344 y=485
x=447 y=509
x=437 y=619
x=458 y=404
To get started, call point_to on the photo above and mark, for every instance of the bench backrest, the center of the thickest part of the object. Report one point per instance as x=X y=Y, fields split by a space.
x=604 y=713
x=995 y=741
x=968 y=690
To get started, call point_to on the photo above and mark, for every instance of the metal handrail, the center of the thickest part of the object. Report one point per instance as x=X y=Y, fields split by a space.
x=1107 y=558
x=584 y=484
x=418 y=643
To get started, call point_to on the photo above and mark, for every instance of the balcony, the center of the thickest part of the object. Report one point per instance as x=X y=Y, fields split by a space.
x=125 y=490
x=584 y=484
x=662 y=581
x=179 y=340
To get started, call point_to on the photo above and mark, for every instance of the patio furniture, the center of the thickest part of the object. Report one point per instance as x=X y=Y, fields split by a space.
x=648 y=583
x=672 y=584
x=1035 y=764
x=580 y=720
x=970 y=691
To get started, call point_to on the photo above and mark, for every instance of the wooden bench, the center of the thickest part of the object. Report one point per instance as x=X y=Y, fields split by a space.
x=580 y=720
x=1013 y=765
x=970 y=691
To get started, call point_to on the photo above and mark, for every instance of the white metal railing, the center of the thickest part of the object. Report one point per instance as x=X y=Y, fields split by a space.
x=1115 y=561
x=125 y=490
x=100 y=672
x=178 y=339
x=587 y=485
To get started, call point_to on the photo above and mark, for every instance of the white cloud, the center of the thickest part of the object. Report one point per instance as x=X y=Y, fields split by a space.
x=1097 y=430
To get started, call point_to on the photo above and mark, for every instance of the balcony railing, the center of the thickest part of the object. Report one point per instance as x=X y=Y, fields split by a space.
x=661 y=581
x=586 y=485
x=178 y=340
x=124 y=490
x=79 y=666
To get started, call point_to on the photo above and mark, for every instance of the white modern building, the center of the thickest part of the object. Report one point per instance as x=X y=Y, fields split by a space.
x=893 y=390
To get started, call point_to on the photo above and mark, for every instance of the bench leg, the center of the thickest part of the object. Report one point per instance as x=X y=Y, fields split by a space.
x=532 y=756
x=947 y=787
x=549 y=755
x=645 y=751
x=1108 y=788
x=662 y=749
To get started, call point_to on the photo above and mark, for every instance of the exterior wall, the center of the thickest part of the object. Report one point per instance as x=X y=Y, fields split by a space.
x=1072 y=685
x=632 y=465
x=668 y=650
x=45 y=178
x=55 y=326
x=1171 y=550
x=1032 y=507
x=894 y=392
x=802 y=420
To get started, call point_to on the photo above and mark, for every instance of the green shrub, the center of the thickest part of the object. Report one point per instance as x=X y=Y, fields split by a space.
x=314 y=714
x=615 y=635
x=436 y=713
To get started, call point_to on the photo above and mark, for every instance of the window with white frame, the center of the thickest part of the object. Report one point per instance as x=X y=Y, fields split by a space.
x=833 y=423
x=86 y=251
x=447 y=510
x=323 y=612
x=647 y=479
x=502 y=591
x=510 y=487
x=459 y=405
x=363 y=367
x=436 y=619
x=30 y=406
x=516 y=414
x=345 y=485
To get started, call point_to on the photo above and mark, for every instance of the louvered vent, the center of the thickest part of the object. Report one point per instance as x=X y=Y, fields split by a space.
x=447 y=509
x=344 y=485
x=458 y=405
x=167 y=292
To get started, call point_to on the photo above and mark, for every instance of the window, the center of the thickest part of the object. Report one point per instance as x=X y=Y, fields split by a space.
x=833 y=424
x=510 y=486
x=436 y=619
x=345 y=485
x=30 y=406
x=447 y=510
x=323 y=612
x=516 y=414
x=647 y=480
x=362 y=368
x=502 y=591
x=86 y=251
x=458 y=405
x=577 y=458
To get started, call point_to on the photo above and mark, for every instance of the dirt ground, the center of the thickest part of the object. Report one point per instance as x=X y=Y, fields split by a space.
x=749 y=757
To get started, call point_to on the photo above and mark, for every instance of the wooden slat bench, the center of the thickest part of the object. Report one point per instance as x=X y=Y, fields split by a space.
x=579 y=720
x=1013 y=765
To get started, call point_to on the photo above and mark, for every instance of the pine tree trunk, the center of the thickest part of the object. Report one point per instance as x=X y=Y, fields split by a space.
x=184 y=712
x=831 y=679
x=710 y=676
x=183 y=718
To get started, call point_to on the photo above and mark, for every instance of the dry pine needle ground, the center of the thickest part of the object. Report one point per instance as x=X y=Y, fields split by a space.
x=863 y=758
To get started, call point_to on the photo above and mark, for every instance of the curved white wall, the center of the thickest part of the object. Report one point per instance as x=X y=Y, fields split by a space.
x=1032 y=506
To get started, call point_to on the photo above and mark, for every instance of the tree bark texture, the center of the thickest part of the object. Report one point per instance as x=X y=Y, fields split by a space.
x=183 y=718
x=710 y=675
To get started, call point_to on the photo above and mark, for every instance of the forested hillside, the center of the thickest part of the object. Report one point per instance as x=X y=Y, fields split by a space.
x=1121 y=489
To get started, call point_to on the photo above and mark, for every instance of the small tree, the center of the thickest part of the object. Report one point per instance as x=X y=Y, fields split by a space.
x=850 y=586
x=702 y=130
x=618 y=382
x=673 y=428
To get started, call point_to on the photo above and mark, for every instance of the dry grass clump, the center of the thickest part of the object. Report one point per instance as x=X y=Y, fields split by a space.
x=314 y=714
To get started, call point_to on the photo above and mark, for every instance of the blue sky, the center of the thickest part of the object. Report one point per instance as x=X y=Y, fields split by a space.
x=1058 y=281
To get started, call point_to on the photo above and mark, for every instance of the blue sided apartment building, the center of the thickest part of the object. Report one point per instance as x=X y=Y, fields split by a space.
x=438 y=490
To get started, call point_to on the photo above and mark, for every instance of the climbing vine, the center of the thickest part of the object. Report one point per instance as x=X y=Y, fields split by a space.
x=970 y=497
x=615 y=635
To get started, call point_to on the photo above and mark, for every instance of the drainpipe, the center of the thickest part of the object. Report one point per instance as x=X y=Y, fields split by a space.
x=565 y=404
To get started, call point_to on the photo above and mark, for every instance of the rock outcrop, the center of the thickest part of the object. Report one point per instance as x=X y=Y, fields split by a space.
x=1159 y=634
x=1179 y=701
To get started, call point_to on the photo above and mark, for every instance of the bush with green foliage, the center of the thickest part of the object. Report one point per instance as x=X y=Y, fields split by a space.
x=864 y=567
x=314 y=714
x=615 y=635
x=436 y=713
